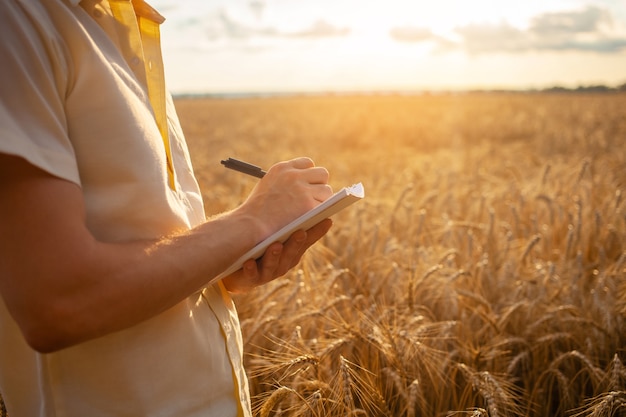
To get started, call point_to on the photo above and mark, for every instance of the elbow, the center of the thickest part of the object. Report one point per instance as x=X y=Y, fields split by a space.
x=48 y=331
x=45 y=343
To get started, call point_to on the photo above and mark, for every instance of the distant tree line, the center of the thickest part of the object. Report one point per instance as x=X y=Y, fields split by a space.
x=558 y=89
x=586 y=89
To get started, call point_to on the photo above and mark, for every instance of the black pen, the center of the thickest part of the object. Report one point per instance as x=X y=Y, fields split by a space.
x=244 y=167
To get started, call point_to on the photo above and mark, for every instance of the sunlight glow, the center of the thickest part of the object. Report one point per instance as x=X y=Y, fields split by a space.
x=282 y=45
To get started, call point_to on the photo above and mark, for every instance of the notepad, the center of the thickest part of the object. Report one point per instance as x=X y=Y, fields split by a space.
x=337 y=202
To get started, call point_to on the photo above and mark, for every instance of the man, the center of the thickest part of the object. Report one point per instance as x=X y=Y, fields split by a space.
x=105 y=253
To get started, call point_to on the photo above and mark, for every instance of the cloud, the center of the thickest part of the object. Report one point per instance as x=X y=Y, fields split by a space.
x=608 y=45
x=589 y=20
x=493 y=38
x=222 y=26
x=411 y=34
x=319 y=29
x=257 y=7
x=586 y=30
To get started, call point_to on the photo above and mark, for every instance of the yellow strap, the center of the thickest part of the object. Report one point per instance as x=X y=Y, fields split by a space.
x=144 y=42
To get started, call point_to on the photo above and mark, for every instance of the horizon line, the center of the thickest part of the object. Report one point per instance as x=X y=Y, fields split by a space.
x=599 y=88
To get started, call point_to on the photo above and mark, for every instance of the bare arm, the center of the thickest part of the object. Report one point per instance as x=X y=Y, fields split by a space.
x=63 y=287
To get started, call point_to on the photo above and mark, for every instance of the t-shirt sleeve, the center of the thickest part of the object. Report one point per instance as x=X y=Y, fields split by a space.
x=34 y=74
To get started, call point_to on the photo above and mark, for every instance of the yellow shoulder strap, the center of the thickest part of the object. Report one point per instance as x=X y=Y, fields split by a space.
x=144 y=40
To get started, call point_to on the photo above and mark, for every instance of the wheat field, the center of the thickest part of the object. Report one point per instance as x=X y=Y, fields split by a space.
x=484 y=274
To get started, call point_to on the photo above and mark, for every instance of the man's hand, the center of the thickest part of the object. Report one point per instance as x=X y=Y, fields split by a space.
x=277 y=260
x=288 y=190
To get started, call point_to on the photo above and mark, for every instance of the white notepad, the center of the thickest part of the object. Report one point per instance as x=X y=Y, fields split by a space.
x=337 y=202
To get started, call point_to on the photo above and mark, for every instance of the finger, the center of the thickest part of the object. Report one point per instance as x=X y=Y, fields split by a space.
x=322 y=192
x=302 y=162
x=244 y=279
x=293 y=249
x=300 y=242
x=318 y=231
x=317 y=175
x=270 y=262
x=276 y=261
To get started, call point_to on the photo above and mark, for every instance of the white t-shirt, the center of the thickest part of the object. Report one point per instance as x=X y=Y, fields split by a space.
x=74 y=105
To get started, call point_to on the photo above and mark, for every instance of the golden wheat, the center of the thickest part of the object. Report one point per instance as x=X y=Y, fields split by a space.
x=483 y=274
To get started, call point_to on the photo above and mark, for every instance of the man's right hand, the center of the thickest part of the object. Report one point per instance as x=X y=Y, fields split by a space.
x=288 y=190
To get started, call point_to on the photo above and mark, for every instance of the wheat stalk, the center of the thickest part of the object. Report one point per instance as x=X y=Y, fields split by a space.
x=530 y=247
x=347 y=383
x=609 y=404
x=416 y=397
x=275 y=398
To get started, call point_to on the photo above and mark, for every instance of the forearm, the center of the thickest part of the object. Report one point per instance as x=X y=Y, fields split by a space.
x=140 y=279
x=85 y=290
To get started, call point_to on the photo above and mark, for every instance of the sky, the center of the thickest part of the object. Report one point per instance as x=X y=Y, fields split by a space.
x=274 y=46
